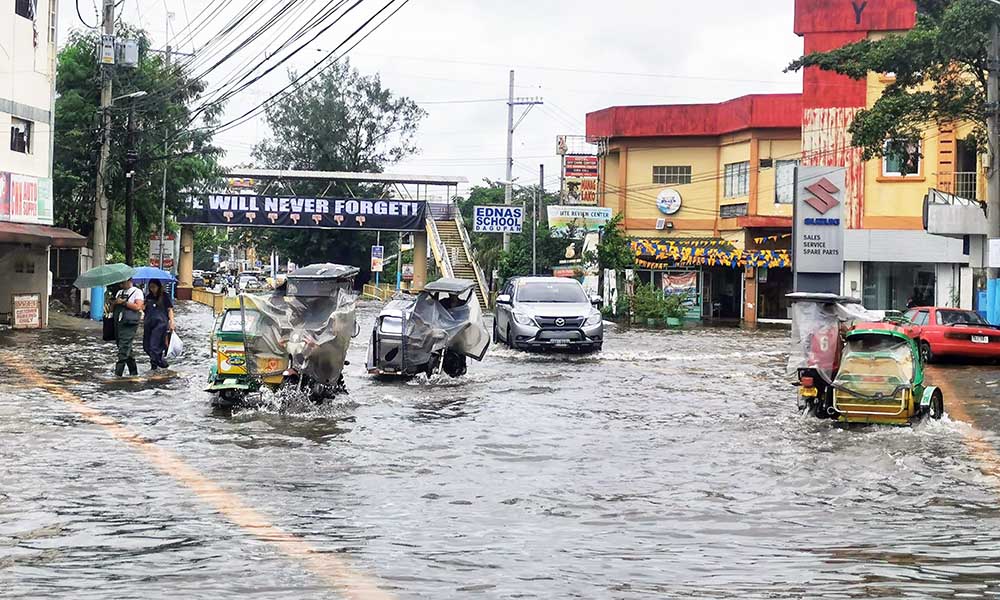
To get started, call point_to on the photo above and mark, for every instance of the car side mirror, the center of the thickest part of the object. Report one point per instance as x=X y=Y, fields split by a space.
x=504 y=299
x=596 y=300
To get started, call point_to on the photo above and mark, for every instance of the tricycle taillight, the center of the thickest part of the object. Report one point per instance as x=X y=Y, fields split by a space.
x=807 y=381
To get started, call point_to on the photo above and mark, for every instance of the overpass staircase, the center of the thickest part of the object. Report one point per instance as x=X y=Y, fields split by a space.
x=452 y=249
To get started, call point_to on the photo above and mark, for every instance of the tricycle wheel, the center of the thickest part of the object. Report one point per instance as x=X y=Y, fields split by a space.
x=926 y=353
x=937 y=405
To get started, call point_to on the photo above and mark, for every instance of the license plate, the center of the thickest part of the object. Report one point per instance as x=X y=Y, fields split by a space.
x=980 y=339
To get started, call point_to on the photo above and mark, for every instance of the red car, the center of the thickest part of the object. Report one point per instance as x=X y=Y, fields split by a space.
x=952 y=332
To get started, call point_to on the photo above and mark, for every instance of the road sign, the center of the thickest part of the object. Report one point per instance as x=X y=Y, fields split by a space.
x=378 y=258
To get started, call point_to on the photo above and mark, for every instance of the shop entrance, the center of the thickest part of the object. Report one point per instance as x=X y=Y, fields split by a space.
x=773 y=285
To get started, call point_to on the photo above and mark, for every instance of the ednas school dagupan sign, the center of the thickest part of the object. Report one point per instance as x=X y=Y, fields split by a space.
x=819 y=229
x=240 y=210
x=498 y=219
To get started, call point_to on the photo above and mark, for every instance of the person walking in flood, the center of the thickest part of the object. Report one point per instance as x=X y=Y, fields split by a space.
x=129 y=303
x=157 y=324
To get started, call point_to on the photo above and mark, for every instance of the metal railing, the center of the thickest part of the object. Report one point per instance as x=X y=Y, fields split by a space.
x=965 y=184
x=439 y=248
x=470 y=253
x=383 y=292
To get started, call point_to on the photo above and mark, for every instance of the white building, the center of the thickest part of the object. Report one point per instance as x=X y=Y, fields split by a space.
x=27 y=87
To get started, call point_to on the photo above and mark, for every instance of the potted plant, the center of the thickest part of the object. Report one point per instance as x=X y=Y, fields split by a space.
x=675 y=309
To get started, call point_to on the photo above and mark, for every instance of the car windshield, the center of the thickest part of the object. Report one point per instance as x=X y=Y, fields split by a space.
x=559 y=292
x=959 y=317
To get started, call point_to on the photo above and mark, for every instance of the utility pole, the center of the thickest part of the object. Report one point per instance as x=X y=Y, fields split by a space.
x=101 y=204
x=993 y=176
x=166 y=151
x=508 y=194
x=534 y=219
x=131 y=159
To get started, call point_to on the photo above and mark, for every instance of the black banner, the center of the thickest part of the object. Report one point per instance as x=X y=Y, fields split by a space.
x=236 y=210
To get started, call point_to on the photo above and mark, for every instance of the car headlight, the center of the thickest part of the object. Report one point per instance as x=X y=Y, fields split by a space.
x=595 y=318
x=523 y=319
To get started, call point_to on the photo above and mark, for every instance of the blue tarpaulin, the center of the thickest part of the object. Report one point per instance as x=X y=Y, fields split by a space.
x=993 y=301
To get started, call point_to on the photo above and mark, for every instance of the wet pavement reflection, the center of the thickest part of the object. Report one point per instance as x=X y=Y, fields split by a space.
x=672 y=465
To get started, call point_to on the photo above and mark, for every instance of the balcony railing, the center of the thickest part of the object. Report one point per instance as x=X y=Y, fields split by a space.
x=964 y=184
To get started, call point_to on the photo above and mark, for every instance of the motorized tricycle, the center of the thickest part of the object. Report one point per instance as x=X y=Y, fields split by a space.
x=294 y=338
x=435 y=332
x=853 y=367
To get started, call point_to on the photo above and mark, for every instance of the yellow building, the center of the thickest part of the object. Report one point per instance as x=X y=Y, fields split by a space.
x=708 y=188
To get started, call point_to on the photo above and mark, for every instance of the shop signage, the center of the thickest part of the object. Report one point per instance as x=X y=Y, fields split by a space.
x=731 y=211
x=168 y=252
x=497 y=219
x=681 y=283
x=25 y=199
x=562 y=218
x=580 y=166
x=245 y=210
x=580 y=191
x=378 y=258
x=819 y=233
x=669 y=201
x=27 y=311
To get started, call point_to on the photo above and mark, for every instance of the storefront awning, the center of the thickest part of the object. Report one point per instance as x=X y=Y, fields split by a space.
x=40 y=235
x=713 y=252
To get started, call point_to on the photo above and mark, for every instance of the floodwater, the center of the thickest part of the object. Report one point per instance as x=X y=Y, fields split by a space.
x=673 y=465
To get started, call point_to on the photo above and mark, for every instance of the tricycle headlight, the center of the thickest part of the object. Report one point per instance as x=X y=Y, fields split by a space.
x=523 y=319
x=595 y=318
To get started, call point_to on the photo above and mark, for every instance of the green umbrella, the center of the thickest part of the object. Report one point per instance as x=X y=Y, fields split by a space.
x=104 y=276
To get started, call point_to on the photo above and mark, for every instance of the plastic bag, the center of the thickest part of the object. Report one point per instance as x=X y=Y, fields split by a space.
x=175 y=347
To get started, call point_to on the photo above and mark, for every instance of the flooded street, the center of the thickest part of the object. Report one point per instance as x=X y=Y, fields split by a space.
x=673 y=465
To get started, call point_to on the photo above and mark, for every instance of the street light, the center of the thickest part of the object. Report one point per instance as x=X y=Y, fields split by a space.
x=128 y=96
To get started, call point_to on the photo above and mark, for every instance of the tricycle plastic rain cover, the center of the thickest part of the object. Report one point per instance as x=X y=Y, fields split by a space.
x=429 y=327
x=816 y=334
x=313 y=331
x=875 y=364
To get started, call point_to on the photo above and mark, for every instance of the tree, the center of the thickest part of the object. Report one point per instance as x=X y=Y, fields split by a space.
x=165 y=113
x=940 y=76
x=340 y=121
x=614 y=250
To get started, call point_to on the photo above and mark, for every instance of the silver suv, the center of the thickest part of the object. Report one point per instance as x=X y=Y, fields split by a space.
x=548 y=312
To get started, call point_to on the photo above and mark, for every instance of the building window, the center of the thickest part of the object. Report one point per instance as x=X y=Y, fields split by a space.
x=20 y=135
x=898 y=286
x=901 y=158
x=672 y=175
x=784 y=181
x=25 y=8
x=737 y=179
x=24 y=265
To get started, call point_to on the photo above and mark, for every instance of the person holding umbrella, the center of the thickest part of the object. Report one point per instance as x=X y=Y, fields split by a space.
x=159 y=321
x=129 y=303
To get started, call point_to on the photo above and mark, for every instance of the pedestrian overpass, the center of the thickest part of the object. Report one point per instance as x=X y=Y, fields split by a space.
x=423 y=205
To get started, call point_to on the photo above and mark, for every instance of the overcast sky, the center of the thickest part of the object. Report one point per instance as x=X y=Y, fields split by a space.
x=578 y=56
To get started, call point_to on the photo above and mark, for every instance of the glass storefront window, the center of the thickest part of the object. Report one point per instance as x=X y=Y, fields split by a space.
x=897 y=286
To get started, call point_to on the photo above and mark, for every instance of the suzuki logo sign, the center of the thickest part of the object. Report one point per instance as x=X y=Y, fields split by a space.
x=823 y=198
x=818 y=228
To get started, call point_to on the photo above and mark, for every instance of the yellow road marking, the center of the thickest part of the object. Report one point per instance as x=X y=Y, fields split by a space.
x=334 y=570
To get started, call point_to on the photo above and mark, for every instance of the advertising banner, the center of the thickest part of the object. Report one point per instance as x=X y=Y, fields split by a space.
x=580 y=191
x=4 y=196
x=407 y=272
x=168 y=252
x=378 y=258
x=23 y=199
x=244 y=210
x=681 y=283
x=498 y=219
x=818 y=221
x=45 y=207
x=994 y=254
x=563 y=218
x=27 y=311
